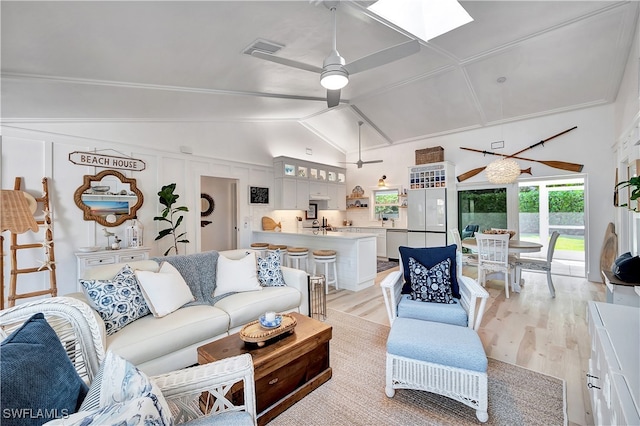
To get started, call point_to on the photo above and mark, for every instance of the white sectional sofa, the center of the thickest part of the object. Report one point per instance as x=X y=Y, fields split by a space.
x=159 y=345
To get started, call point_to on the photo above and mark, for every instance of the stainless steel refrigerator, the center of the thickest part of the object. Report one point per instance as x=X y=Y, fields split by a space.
x=431 y=204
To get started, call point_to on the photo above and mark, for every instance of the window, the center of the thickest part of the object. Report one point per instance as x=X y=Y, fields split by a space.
x=386 y=202
x=485 y=208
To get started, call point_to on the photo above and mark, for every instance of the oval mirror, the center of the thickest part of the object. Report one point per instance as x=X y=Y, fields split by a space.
x=109 y=198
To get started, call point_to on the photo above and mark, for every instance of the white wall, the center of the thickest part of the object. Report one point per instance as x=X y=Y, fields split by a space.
x=219 y=234
x=590 y=144
x=627 y=113
x=34 y=155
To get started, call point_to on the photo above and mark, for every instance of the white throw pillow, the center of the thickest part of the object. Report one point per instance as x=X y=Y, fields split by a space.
x=236 y=275
x=164 y=291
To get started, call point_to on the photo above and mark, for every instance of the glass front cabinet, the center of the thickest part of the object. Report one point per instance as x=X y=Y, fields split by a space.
x=297 y=182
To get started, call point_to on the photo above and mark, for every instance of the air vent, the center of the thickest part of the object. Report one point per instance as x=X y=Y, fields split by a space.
x=263 y=46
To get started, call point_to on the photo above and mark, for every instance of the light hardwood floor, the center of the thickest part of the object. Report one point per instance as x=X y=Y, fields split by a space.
x=530 y=329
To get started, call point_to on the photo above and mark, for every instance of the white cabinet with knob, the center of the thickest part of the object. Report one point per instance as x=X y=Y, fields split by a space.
x=613 y=377
x=88 y=260
x=291 y=194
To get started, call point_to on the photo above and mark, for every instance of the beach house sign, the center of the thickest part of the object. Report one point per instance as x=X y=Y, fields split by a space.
x=106 y=161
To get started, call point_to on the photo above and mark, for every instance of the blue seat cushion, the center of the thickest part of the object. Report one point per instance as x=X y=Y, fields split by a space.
x=437 y=343
x=429 y=311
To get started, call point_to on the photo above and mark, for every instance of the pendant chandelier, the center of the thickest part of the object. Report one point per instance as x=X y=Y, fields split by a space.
x=504 y=170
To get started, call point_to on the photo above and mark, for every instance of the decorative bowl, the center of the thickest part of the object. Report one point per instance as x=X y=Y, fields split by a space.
x=89 y=249
x=270 y=324
x=500 y=231
x=100 y=188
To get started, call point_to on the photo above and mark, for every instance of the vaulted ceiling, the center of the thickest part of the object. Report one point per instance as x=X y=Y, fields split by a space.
x=184 y=61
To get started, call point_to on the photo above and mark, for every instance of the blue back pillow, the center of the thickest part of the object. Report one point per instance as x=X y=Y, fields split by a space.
x=38 y=381
x=429 y=257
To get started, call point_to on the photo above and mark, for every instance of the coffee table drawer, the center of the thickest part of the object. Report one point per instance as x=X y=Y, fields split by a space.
x=278 y=384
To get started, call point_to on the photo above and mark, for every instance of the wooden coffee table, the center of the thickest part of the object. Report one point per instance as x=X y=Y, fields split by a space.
x=285 y=370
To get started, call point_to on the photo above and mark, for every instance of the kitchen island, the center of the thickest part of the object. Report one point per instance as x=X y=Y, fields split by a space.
x=355 y=252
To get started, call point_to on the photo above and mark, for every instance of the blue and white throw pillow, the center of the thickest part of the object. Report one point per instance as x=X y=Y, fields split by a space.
x=121 y=394
x=431 y=284
x=269 y=271
x=118 y=301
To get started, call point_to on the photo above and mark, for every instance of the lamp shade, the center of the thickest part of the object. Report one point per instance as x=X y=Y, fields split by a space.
x=16 y=215
x=504 y=170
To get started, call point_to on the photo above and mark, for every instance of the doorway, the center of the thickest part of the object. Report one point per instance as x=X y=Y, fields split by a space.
x=219 y=213
x=555 y=204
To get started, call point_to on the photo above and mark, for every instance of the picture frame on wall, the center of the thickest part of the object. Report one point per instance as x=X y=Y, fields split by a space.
x=258 y=195
x=311 y=212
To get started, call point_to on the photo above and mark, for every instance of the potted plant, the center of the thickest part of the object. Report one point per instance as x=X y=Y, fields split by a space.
x=171 y=215
x=634 y=183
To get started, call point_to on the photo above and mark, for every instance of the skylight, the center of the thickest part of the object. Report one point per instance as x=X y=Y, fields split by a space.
x=424 y=19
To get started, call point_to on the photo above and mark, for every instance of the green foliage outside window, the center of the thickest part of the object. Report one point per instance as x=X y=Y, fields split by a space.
x=570 y=201
x=386 y=204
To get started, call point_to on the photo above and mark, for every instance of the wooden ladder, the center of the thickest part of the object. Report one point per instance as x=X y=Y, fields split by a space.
x=48 y=264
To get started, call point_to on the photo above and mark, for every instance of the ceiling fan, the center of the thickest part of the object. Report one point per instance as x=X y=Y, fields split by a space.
x=360 y=162
x=334 y=74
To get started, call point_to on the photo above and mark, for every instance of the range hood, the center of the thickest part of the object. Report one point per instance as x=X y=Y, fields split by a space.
x=318 y=197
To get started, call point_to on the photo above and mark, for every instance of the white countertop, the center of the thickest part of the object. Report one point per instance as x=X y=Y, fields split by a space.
x=321 y=234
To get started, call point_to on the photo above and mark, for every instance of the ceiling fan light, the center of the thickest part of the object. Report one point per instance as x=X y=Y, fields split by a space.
x=334 y=79
x=502 y=171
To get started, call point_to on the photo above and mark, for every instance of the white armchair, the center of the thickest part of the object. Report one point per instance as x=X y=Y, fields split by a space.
x=473 y=297
x=186 y=390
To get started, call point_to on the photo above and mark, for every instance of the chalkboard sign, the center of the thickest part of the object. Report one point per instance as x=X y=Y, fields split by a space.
x=258 y=195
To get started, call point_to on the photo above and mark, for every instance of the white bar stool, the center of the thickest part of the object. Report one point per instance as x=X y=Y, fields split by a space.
x=297 y=255
x=279 y=248
x=326 y=257
x=261 y=248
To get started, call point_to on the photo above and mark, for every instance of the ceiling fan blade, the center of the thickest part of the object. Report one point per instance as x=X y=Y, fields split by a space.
x=372 y=162
x=284 y=61
x=383 y=57
x=333 y=98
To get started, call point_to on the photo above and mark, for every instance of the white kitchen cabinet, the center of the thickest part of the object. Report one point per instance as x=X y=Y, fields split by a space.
x=298 y=181
x=613 y=380
x=381 y=238
x=426 y=239
x=337 y=200
x=291 y=194
x=395 y=239
x=318 y=189
x=88 y=260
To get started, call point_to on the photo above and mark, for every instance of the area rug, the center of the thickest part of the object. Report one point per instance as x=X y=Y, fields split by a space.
x=355 y=394
x=383 y=265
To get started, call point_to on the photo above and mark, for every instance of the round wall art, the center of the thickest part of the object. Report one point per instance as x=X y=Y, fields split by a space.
x=207 y=205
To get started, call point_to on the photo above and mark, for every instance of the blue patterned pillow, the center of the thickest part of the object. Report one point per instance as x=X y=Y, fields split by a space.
x=118 y=301
x=121 y=394
x=431 y=284
x=269 y=271
x=430 y=256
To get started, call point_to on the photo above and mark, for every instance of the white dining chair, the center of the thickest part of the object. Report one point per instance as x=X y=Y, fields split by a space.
x=493 y=256
x=469 y=259
x=539 y=264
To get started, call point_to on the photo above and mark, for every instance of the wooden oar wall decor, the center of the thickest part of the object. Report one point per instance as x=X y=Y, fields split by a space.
x=555 y=164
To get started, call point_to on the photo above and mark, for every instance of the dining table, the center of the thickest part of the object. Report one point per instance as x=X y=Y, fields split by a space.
x=516 y=247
